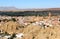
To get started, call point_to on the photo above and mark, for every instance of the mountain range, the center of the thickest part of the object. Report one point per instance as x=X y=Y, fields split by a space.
x=33 y=9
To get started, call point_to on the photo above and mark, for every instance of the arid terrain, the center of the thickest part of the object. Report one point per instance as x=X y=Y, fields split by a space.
x=30 y=27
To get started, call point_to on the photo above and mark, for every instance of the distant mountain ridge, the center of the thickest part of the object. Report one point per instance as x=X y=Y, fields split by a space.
x=12 y=11
x=33 y=9
x=8 y=8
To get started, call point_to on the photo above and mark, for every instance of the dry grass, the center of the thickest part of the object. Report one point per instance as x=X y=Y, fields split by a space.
x=32 y=31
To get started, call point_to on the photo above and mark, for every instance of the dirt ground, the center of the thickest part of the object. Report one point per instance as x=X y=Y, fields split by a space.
x=32 y=31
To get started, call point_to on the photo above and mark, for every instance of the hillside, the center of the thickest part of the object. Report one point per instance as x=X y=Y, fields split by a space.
x=12 y=11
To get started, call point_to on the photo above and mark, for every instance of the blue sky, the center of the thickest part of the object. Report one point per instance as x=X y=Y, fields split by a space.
x=30 y=3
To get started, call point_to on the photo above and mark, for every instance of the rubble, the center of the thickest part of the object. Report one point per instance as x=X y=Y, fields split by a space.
x=19 y=35
x=34 y=27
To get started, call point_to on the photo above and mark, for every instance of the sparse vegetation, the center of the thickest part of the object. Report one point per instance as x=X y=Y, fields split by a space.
x=32 y=27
